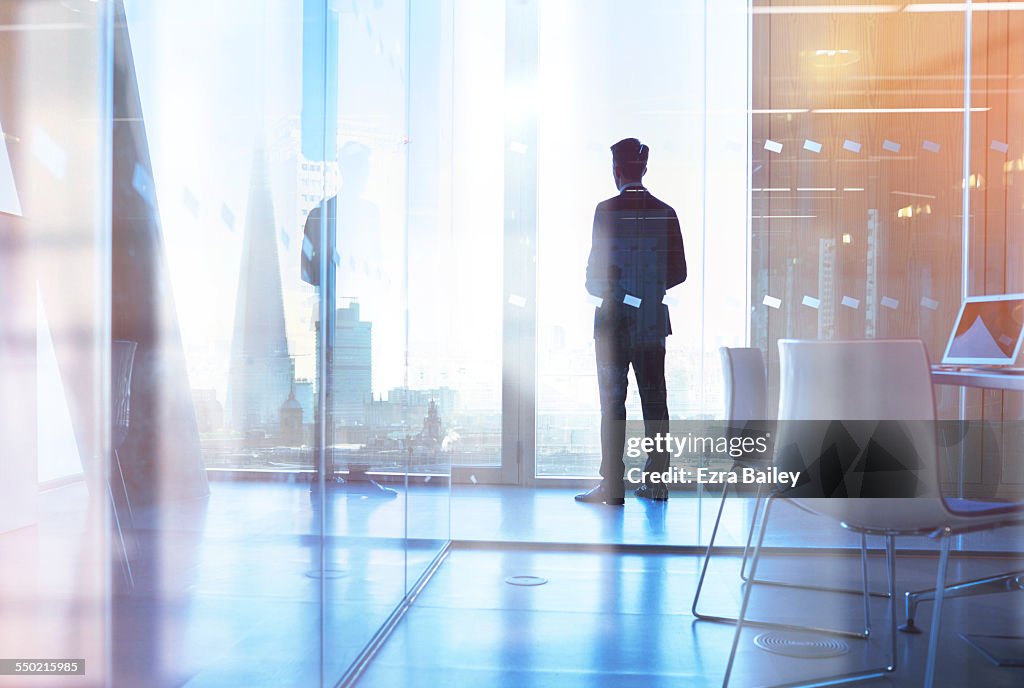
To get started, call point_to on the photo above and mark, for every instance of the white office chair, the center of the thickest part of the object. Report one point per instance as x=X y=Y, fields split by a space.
x=866 y=381
x=746 y=405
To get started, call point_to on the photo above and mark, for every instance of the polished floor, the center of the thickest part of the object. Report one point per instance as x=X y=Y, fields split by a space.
x=487 y=513
x=227 y=590
x=615 y=619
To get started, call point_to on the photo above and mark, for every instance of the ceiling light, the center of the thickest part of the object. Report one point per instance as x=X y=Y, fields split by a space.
x=864 y=111
x=962 y=7
x=912 y=194
x=783 y=217
x=825 y=9
x=833 y=57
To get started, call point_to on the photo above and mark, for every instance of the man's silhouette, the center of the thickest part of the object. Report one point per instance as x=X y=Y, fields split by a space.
x=636 y=255
x=353 y=271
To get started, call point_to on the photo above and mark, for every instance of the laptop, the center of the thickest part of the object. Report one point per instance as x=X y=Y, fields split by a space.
x=988 y=331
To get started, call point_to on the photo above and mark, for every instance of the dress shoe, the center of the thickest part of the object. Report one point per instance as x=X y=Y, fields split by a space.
x=655 y=493
x=599 y=495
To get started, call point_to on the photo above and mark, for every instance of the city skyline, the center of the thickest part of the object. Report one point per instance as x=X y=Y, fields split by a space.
x=262 y=373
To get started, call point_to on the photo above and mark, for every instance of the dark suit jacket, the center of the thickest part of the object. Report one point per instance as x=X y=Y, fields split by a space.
x=636 y=253
x=310 y=258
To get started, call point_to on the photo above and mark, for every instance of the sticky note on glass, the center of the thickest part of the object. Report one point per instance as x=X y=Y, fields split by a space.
x=812 y=146
x=597 y=301
x=9 y=201
x=891 y=146
x=771 y=301
x=227 y=216
x=49 y=153
x=851 y=146
x=143 y=184
x=191 y=202
x=999 y=146
x=773 y=146
x=930 y=304
x=851 y=302
x=631 y=300
x=930 y=146
x=517 y=300
x=811 y=302
x=890 y=303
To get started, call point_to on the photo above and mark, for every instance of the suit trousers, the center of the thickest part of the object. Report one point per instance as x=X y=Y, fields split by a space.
x=615 y=353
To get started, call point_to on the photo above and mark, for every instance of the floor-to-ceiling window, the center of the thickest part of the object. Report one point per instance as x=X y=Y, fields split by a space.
x=607 y=71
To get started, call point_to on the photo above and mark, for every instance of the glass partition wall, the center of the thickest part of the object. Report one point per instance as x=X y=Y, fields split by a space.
x=858 y=121
x=883 y=166
x=298 y=169
x=228 y=387
x=58 y=537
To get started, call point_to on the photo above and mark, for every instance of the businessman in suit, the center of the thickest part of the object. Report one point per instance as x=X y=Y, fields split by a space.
x=636 y=255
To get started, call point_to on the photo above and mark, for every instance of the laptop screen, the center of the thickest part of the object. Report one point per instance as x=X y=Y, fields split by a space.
x=988 y=331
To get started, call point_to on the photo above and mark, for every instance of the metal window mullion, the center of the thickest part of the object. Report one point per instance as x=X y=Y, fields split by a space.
x=519 y=310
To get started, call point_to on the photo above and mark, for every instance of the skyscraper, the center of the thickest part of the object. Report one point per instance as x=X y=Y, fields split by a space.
x=352 y=361
x=261 y=371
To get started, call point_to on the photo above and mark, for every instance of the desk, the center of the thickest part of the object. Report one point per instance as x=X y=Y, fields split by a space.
x=982 y=379
x=979 y=379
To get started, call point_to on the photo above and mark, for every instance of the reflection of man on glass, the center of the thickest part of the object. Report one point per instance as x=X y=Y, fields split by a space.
x=352 y=260
x=636 y=255
x=353 y=223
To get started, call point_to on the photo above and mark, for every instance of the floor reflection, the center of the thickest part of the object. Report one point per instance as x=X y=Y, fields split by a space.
x=227 y=589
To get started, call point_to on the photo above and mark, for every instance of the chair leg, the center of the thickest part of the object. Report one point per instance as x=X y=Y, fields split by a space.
x=137 y=548
x=890 y=561
x=1005 y=582
x=124 y=491
x=766 y=624
x=747 y=589
x=802 y=586
x=940 y=589
x=126 y=566
x=864 y=583
x=750 y=532
x=852 y=677
x=707 y=555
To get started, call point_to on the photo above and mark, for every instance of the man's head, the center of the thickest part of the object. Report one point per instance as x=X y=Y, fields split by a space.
x=629 y=161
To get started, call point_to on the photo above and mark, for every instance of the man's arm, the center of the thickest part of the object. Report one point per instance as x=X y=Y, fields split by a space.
x=598 y=262
x=675 y=272
x=309 y=262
